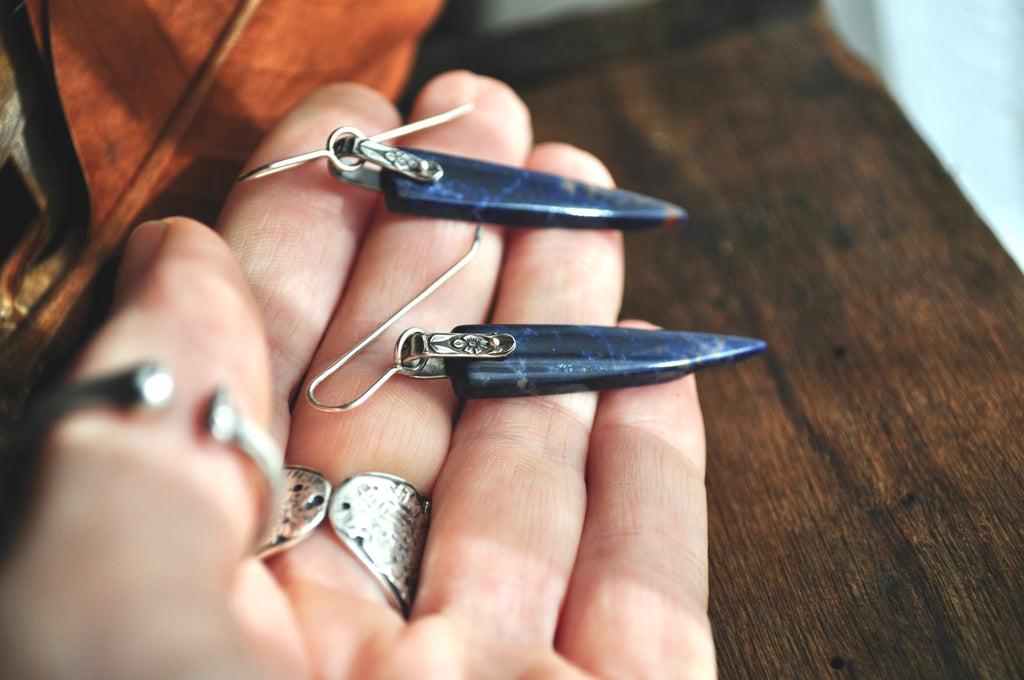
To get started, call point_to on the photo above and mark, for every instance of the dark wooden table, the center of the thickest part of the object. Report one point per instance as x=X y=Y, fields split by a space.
x=866 y=476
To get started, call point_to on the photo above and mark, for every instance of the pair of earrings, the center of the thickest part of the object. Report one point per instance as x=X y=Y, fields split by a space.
x=491 y=360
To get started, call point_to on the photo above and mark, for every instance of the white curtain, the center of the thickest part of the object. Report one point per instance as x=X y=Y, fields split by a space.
x=956 y=67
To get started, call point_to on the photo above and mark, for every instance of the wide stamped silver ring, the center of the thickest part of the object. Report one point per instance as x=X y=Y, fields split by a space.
x=383 y=521
x=303 y=505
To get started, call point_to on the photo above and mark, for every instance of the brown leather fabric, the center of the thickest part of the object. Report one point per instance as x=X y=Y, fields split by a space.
x=164 y=101
x=156 y=89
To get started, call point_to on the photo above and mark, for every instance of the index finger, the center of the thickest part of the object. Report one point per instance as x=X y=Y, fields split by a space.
x=296 y=233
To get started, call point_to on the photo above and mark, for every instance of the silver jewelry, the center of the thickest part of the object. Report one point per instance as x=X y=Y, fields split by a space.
x=148 y=385
x=383 y=520
x=350 y=143
x=303 y=506
x=311 y=389
x=226 y=424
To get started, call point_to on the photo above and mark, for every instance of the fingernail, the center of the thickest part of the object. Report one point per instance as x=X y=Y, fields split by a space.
x=139 y=252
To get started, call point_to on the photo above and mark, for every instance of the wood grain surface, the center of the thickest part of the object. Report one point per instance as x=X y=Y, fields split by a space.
x=865 y=476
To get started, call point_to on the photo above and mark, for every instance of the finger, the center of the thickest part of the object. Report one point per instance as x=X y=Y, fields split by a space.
x=189 y=307
x=409 y=421
x=405 y=428
x=509 y=503
x=142 y=519
x=296 y=233
x=637 y=605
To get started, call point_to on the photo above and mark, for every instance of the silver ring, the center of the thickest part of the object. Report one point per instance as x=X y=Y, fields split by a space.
x=303 y=506
x=148 y=385
x=383 y=520
x=226 y=424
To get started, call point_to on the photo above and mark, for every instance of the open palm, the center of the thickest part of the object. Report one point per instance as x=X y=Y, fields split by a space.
x=568 y=536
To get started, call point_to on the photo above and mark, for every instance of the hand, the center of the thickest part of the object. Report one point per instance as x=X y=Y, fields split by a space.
x=568 y=536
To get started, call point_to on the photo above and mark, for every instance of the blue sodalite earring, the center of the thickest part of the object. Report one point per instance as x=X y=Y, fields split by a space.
x=523 y=360
x=428 y=184
x=493 y=360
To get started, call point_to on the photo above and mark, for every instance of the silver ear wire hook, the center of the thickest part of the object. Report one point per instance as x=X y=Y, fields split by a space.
x=399 y=365
x=350 y=142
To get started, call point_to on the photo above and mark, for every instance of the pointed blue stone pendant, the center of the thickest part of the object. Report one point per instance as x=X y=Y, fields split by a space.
x=493 y=361
x=475 y=191
x=428 y=184
x=559 y=359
